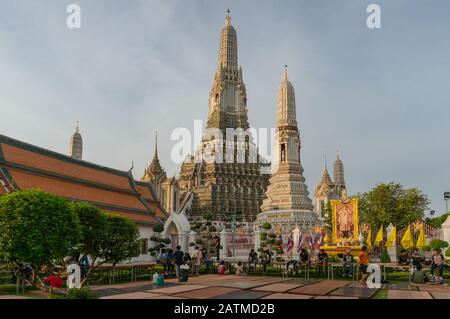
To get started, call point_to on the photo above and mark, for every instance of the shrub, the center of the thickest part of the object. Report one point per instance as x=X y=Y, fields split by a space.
x=437 y=243
x=167 y=241
x=426 y=248
x=191 y=244
x=263 y=236
x=158 y=228
x=81 y=293
x=266 y=226
x=447 y=252
x=385 y=258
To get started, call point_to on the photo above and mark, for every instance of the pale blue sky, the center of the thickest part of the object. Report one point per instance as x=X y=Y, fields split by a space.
x=381 y=97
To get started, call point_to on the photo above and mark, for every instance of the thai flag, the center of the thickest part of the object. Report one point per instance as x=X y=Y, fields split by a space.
x=300 y=242
x=290 y=243
x=309 y=242
x=319 y=241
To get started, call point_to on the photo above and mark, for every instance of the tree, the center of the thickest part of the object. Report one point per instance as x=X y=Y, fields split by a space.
x=205 y=229
x=93 y=224
x=436 y=222
x=160 y=243
x=122 y=240
x=36 y=228
x=391 y=203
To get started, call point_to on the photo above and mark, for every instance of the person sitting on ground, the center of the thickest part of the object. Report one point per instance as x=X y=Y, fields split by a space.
x=240 y=269
x=222 y=268
x=322 y=261
x=347 y=264
x=403 y=258
x=437 y=263
x=419 y=276
x=364 y=263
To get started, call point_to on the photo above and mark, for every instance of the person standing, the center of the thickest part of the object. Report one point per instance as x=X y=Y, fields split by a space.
x=196 y=261
x=364 y=263
x=347 y=264
x=178 y=257
x=252 y=260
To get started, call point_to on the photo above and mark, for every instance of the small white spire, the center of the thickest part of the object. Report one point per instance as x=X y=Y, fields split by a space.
x=285 y=75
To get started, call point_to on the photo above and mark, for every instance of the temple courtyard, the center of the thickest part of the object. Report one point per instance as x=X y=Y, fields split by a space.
x=213 y=286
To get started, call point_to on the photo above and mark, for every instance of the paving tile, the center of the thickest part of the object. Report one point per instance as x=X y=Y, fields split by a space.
x=244 y=284
x=440 y=294
x=277 y=287
x=334 y=297
x=206 y=292
x=176 y=289
x=320 y=288
x=405 y=286
x=405 y=294
x=108 y=292
x=442 y=288
x=301 y=281
x=13 y=297
x=243 y=294
x=167 y=297
x=360 y=292
x=286 y=296
x=133 y=295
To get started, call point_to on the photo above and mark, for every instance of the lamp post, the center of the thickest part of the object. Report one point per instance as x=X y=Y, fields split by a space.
x=446 y=198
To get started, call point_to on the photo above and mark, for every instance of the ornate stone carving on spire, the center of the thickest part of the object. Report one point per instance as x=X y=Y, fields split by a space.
x=76 y=144
x=339 y=173
x=287 y=194
x=228 y=97
x=339 y=181
x=154 y=172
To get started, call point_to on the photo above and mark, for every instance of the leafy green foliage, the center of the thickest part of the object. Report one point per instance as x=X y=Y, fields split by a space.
x=158 y=228
x=438 y=243
x=447 y=252
x=36 y=228
x=122 y=240
x=267 y=226
x=93 y=223
x=81 y=293
x=391 y=203
x=436 y=222
x=385 y=258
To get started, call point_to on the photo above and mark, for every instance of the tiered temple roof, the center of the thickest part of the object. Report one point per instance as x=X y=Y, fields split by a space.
x=25 y=166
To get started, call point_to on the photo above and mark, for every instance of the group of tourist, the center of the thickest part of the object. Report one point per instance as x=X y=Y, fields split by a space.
x=417 y=261
x=174 y=263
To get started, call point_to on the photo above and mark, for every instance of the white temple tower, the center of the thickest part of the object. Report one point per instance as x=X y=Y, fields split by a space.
x=287 y=204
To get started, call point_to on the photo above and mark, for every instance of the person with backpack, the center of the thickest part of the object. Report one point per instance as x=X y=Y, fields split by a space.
x=168 y=262
x=178 y=258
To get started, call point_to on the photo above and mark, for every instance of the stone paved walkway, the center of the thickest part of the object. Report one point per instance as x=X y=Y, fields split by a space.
x=260 y=287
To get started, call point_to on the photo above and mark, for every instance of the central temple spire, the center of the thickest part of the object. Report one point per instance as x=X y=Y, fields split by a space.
x=228 y=57
x=228 y=97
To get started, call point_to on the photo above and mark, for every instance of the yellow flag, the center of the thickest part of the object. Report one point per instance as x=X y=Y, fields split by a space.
x=392 y=237
x=369 y=239
x=407 y=240
x=379 y=237
x=421 y=241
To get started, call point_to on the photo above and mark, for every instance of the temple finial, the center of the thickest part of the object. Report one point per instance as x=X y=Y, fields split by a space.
x=77 y=128
x=285 y=75
x=228 y=17
x=156 y=143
